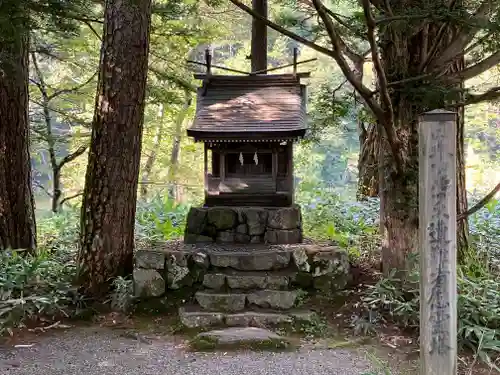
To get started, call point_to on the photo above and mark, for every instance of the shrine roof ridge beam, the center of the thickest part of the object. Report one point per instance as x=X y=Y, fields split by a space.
x=218 y=67
x=255 y=77
x=294 y=64
x=262 y=71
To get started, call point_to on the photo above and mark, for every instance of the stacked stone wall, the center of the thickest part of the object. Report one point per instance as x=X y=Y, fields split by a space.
x=244 y=225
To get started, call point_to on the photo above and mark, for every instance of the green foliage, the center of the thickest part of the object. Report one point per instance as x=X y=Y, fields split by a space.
x=59 y=232
x=42 y=285
x=478 y=292
x=122 y=294
x=484 y=228
x=351 y=225
x=478 y=309
x=159 y=219
x=35 y=286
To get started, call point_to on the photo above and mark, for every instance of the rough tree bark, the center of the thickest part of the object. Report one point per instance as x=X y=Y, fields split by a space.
x=109 y=199
x=368 y=182
x=462 y=203
x=17 y=218
x=259 y=37
x=404 y=53
x=368 y=174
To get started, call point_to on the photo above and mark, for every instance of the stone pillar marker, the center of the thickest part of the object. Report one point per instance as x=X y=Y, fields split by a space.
x=437 y=242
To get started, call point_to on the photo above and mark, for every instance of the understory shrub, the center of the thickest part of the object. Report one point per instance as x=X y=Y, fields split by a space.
x=36 y=286
x=59 y=231
x=354 y=226
x=41 y=285
x=159 y=219
x=351 y=225
x=484 y=228
x=478 y=309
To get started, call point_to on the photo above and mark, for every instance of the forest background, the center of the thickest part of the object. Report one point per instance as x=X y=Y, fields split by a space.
x=63 y=78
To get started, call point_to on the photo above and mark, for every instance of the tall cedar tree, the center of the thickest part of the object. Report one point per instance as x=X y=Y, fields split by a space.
x=109 y=198
x=17 y=219
x=417 y=50
x=18 y=18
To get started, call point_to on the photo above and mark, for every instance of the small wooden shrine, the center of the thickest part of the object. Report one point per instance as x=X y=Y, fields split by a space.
x=248 y=124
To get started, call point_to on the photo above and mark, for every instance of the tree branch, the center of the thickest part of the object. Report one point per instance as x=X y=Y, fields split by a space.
x=176 y=80
x=94 y=31
x=383 y=117
x=382 y=79
x=388 y=120
x=480 y=67
x=39 y=185
x=462 y=39
x=65 y=114
x=69 y=158
x=284 y=31
x=479 y=204
x=491 y=94
x=354 y=56
x=41 y=82
x=73 y=89
x=365 y=93
x=70 y=197
x=46 y=114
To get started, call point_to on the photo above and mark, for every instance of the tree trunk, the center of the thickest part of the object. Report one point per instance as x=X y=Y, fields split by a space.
x=368 y=171
x=150 y=161
x=51 y=144
x=17 y=218
x=400 y=231
x=259 y=37
x=462 y=204
x=404 y=53
x=399 y=197
x=176 y=148
x=368 y=174
x=110 y=194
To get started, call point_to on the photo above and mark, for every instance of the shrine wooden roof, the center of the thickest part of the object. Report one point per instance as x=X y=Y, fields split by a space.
x=249 y=108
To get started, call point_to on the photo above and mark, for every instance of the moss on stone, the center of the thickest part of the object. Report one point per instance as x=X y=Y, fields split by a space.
x=212 y=344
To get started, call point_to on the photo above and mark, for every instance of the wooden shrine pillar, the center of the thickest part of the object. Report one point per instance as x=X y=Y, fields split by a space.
x=205 y=167
x=259 y=37
x=291 y=180
x=275 y=167
x=222 y=164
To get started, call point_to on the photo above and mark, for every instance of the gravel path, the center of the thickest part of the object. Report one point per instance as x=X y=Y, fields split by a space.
x=99 y=351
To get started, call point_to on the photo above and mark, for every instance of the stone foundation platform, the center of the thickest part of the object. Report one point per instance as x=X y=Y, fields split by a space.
x=239 y=284
x=219 y=267
x=244 y=225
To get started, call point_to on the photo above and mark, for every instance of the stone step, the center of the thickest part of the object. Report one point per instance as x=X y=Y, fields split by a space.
x=237 y=300
x=240 y=338
x=194 y=317
x=260 y=258
x=248 y=280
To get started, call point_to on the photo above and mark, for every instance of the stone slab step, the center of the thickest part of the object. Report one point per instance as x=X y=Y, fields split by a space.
x=240 y=338
x=194 y=317
x=237 y=301
x=248 y=280
x=261 y=259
